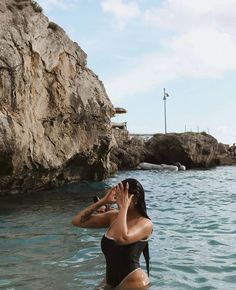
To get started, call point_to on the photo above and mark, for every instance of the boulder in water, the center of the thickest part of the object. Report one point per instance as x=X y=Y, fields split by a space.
x=193 y=150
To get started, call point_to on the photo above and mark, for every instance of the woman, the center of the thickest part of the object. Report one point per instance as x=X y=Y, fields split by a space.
x=129 y=228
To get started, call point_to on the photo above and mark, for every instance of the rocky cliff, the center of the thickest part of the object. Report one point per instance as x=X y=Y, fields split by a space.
x=54 y=112
x=127 y=152
x=194 y=150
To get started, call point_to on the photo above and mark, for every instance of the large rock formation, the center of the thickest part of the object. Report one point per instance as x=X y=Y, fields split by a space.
x=54 y=112
x=194 y=150
x=223 y=155
x=127 y=152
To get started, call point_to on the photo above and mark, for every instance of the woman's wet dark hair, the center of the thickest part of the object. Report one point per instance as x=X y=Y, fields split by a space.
x=135 y=188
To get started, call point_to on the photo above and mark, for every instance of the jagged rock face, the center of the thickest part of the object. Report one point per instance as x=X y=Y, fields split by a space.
x=224 y=156
x=194 y=150
x=54 y=112
x=128 y=152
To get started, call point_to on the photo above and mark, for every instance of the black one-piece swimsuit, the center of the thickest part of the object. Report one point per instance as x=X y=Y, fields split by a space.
x=121 y=260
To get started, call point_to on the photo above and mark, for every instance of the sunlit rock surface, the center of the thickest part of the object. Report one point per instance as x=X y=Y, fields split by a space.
x=54 y=112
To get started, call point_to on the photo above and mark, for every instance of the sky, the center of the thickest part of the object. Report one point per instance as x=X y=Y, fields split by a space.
x=139 y=47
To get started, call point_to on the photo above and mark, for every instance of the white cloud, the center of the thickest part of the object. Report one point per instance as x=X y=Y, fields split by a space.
x=202 y=44
x=151 y=71
x=208 y=50
x=121 y=10
x=197 y=54
x=184 y=15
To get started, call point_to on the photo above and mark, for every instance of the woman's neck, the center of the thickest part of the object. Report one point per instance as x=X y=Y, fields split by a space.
x=132 y=214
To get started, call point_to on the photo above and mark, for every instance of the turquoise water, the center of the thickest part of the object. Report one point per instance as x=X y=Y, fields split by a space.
x=193 y=245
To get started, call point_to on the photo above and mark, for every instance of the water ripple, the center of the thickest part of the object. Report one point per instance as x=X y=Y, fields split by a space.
x=192 y=246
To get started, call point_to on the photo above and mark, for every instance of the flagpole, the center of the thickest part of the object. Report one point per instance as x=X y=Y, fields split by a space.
x=164 y=99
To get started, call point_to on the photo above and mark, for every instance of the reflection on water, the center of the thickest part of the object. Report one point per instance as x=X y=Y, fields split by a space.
x=192 y=246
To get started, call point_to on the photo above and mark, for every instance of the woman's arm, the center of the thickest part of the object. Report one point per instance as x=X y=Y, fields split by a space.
x=87 y=217
x=140 y=231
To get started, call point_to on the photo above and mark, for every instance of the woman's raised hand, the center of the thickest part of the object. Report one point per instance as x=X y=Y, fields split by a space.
x=110 y=196
x=123 y=199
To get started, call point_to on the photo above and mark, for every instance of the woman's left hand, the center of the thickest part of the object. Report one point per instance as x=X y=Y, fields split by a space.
x=123 y=199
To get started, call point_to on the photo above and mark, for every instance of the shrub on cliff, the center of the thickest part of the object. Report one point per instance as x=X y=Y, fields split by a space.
x=21 y=4
x=54 y=26
x=36 y=6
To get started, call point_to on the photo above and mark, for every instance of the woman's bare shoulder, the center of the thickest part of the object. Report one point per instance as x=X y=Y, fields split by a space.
x=145 y=220
x=146 y=224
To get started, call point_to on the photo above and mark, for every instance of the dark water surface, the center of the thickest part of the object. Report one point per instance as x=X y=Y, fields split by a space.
x=193 y=245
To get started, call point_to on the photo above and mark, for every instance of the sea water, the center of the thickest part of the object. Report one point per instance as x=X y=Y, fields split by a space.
x=193 y=245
